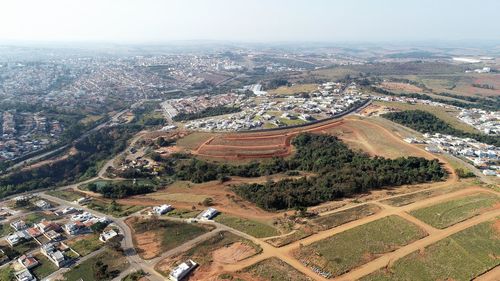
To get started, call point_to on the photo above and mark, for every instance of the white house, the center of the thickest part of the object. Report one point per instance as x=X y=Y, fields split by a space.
x=107 y=234
x=208 y=213
x=24 y=275
x=163 y=209
x=182 y=270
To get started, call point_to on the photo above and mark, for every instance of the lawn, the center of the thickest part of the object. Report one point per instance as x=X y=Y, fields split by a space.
x=462 y=256
x=453 y=211
x=342 y=252
x=7 y=273
x=5 y=229
x=193 y=140
x=113 y=209
x=26 y=246
x=251 y=227
x=45 y=268
x=85 y=245
x=68 y=195
x=297 y=88
x=345 y=216
x=115 y=261
x=202 y=252
x=36 y=217
x=183 y=213
x=274 y=269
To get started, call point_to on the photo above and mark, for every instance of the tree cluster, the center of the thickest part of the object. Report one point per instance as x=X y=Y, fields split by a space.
x=426 y=122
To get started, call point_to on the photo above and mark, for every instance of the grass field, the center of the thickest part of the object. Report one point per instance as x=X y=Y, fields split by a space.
x=274 y=269
x=45 y=268
x=85 y=245
x=36 y=217
x=297 y=88
x=183 y=213
x=68 y=195
x=345 y=216
x=86 y=270
x=447 y=115
x=349 y=249
x=451 y=212
x=251 y=227
x=116 y=210
x=193 y=140
x=7 y=273
x=462 y=256
x=414 y=197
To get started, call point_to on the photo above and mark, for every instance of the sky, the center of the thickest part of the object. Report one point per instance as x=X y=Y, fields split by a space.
x=156 y=21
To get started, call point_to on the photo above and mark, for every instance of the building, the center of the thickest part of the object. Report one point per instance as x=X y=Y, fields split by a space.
x=45 y=226
x=182 y=270
x=17 y=237
x=107 y=234
x=163 y=209
x=53 y=235
x=51 y=251
x=18 y=225
x=489 y=172
x=24 y=275
x=42 y=204
x=27 y=262
x=74 y=228
x=83 y=200
x=208 y=213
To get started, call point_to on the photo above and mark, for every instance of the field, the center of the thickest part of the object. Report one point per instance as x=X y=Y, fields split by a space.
x=401 y=87
x=445 y=114
x=45 y=268
x=460 y=84
x=154 y=237
x=36 y=217
x=68 y=195
x=224 y=248
x=255 y=145
x=417 y=196
x=85 y=244
x=462 y=256
x=251 y=227
x=297 y=88
x=366 y=135
x=338 y=218
x=87 y=270
x=454 y=211
x=347 y=250
x=114 y=209
x=272 y=269
x=6 y=273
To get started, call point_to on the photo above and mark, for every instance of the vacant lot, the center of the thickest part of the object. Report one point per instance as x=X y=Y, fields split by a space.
x=272 y=269
x=85 y=244
x=451 y=212
x=154 y=236
x=462 y=256
x=297 y=88
x=347 y=250
x=414 y=197
x=68 y=195
x=224 y=248
x=345 y=216
x=45 y=268
x=114 y=261
x=112 y=208
x=251 y=227
x=365 y=135
x=296 y=235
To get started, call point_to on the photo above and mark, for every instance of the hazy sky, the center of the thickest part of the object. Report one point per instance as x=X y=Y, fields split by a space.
x=250 y=20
